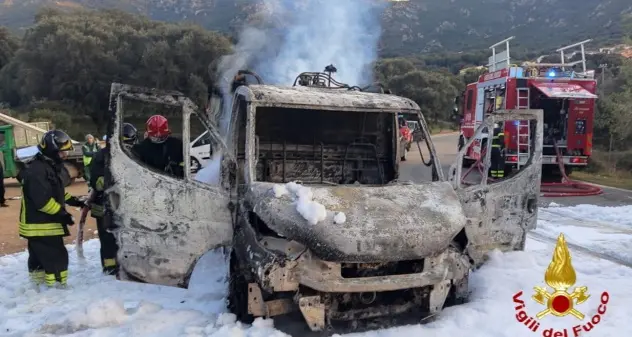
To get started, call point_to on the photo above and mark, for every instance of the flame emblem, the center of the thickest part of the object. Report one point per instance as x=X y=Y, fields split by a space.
x=560 y=275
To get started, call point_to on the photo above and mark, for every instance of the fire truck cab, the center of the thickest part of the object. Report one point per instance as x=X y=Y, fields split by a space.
x=566 y=93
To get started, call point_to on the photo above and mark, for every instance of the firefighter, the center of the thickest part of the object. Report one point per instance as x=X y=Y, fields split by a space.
x=497 y=169
x=44 y=220
x=89 y=149
x=97 y=203
x=160 y=150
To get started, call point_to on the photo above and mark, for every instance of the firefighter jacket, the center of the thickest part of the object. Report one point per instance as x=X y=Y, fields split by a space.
x=88 y=152
x=97 y=183
x=43 y=198
x=165 y=157
x=498 y=140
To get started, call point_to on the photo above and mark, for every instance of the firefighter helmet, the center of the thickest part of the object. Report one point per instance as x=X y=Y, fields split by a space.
x=53 y=142
x=158 y=128
x=129 y=133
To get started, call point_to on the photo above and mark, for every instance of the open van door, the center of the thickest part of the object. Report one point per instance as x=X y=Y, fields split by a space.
x=500 y=211
x=163 y=224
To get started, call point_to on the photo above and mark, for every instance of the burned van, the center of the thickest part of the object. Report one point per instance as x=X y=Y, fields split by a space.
x=310 y=201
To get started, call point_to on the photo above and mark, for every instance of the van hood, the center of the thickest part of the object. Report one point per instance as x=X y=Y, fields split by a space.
x=383 y=223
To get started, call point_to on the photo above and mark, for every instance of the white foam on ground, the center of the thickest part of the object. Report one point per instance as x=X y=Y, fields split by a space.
x=98 y=305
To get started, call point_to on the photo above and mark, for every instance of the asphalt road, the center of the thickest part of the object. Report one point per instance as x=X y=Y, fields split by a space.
x=446 y=147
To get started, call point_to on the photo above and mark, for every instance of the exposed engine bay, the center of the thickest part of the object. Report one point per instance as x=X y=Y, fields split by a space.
x=336 y=147
x=403 y=247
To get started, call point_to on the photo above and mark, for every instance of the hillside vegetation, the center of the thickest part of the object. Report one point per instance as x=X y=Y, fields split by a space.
x=62 y=68
x=408 y=27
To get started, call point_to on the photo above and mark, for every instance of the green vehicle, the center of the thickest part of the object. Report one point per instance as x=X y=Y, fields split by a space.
x=18 y=144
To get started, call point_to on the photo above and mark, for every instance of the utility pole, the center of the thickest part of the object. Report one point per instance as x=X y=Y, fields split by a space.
x=603 y=67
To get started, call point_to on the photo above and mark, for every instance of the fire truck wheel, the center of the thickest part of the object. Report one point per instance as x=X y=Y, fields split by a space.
x=461 y=143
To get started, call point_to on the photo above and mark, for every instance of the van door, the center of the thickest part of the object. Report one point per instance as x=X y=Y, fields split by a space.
x=164 y=224
x=500 y=211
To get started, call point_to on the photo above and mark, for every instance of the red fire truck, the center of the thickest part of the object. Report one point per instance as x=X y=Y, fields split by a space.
x=564 y=91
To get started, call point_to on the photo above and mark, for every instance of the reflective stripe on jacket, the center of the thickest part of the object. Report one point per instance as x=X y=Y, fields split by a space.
x=97 y=209
x=498 y=141
x=88 y=152
x=43 y=197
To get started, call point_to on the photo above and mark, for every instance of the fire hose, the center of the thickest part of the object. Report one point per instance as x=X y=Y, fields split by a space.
x=479 y=166
x=567 y=187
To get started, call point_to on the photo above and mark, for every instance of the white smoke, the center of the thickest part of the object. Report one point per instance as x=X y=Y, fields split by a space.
x=294 y=36
x=316 y=33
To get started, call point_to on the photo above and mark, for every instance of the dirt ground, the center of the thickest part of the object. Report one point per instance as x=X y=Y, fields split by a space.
x=10 y=241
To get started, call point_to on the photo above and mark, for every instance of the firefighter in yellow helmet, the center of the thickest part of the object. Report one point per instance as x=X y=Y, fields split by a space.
x=44 y=220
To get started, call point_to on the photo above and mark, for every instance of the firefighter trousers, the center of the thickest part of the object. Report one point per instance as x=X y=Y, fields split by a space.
x=48 y=260
x=497 y=168
x=108 y=248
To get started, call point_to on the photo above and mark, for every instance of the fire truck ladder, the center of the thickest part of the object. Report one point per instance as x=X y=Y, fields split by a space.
x=524 y=142
x=523 y=138
x=523 y=101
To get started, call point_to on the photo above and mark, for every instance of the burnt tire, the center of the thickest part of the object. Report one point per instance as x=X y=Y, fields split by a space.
x=238 y=292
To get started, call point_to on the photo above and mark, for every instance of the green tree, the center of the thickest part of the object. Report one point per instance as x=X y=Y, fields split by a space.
x=433 y=91
x=74 y=57
x=8 y=46
x=617 y=106
x=471 y=75
x=626 y=27
x=386 y=69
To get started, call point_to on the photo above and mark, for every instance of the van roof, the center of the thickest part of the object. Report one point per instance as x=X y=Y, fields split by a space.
x=338 y=99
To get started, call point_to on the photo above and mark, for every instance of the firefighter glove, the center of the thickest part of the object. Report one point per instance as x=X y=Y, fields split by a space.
x=65 y=218
x=75 y=202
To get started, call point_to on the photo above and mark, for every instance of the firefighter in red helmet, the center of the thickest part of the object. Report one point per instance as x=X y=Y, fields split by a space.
x=160 y=150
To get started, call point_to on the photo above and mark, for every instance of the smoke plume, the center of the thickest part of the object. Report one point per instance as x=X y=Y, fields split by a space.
x=288 y=37
x=315 y=33
x=292 y=36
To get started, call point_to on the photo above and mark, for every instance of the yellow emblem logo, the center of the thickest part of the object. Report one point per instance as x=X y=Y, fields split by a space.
x=560 y=275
